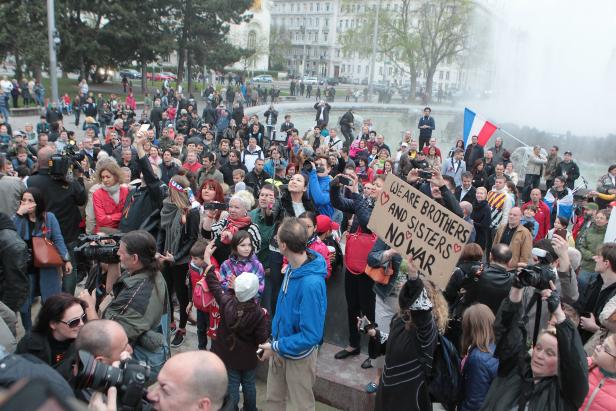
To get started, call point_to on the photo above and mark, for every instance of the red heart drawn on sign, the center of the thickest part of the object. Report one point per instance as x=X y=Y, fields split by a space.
x=409 y=235
x=384 y=198
x=457 y=248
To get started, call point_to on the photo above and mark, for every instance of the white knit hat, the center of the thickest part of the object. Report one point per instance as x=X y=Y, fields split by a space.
x=246 y=286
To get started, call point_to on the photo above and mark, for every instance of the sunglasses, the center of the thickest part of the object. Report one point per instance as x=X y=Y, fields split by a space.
x=74 y=323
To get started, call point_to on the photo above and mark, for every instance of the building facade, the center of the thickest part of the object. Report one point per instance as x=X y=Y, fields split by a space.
x=253 y=35
x=315 y=28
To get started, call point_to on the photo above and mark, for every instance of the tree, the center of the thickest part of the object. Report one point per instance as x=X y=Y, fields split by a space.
x=140 y=32
x=419 y=34
x=443 y=27
x=200 y=28
x=279 y=47
x=29 y=47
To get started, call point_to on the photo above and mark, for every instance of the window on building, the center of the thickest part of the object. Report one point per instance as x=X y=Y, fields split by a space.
x=326 y=6
x=447 y=75
x=318 y=7
x=440 y=75
x=167 y=58
x=251 y=42
x=358 y=69
x=325 y=39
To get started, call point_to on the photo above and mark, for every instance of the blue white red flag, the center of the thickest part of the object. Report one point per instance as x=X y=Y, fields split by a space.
x=477 y=126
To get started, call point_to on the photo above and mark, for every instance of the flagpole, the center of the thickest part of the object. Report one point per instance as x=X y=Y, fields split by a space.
x=514 y=137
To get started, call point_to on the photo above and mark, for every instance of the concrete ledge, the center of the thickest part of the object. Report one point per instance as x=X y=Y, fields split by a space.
x=25 y=111
x=339 y=383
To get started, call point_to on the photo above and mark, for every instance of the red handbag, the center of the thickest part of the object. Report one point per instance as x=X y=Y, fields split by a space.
x=356 y=250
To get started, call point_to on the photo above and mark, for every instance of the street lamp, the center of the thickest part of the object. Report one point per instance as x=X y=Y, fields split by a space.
x=54 y=43
x=302 y=30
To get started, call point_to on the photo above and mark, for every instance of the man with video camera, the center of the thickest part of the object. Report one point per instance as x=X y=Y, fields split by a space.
x=138 y=300
x=64 y=197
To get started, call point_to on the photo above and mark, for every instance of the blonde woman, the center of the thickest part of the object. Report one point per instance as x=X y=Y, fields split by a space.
x=108 y=201
x=479 y=365
x=179 y=230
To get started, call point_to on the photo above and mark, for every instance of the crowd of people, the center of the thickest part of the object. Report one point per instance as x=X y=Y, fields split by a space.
x=239 y=223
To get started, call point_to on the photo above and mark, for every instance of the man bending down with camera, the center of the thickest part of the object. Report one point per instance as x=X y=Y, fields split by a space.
x=190 y=381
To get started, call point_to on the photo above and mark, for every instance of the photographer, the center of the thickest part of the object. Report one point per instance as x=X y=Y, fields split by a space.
x=63 y=199
x=142 y=207
x=359 y=294
x=138 y=300
x=318 y=187
x=105 y=340
x=554 y=376
x=431 y=183
x=550 y=262
x=293 y=202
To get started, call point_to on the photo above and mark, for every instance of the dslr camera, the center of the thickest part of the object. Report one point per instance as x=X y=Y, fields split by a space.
x=130 y=379
x=536 y=276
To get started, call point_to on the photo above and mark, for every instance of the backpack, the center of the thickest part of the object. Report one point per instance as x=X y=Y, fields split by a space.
x=202 y=296
x=445 y=378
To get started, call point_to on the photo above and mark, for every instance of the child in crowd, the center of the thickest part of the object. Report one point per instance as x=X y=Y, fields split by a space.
x=242 y=259
x=243 y=326
x=238 y=180
x=200 y=260
x=528 y=220
x=479 y=365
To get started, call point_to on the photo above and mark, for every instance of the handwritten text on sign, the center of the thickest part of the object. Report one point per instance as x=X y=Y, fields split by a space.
x=414 y=224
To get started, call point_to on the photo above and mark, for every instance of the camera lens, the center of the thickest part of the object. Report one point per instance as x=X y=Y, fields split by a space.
x=94 y=374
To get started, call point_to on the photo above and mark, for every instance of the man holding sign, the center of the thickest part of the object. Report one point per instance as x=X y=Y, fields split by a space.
x=422 y=227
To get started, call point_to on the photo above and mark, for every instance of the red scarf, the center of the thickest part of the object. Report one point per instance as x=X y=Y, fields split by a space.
x=233 y=226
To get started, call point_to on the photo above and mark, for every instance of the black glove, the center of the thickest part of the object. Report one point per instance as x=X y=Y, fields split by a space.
x=553 y=301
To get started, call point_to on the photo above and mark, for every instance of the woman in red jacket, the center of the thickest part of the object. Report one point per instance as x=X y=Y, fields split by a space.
x=108 y=201
x=602 y=377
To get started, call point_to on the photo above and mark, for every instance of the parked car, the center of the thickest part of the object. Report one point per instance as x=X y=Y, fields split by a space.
x=311 y=80
x=163 y=75
x=264 y=78
x=329 y=81
x=130 y=73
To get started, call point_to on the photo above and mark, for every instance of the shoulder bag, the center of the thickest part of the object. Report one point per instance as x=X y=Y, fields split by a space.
x=356 y=250
x=44 y=252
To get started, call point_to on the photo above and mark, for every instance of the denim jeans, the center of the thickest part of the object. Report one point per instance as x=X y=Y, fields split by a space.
x=203 y=322
x=48 y=285
x=249 y=389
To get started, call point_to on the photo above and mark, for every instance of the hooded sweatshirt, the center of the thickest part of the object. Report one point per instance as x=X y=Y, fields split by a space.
x=297 y=327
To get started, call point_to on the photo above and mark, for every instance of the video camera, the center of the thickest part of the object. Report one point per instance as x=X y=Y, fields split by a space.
x=68 y=160
x=101 y=248
x=130 y=379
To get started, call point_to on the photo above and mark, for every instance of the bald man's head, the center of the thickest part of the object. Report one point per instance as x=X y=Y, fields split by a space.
x=44 y=154
x=194 y=380
x=104 y=339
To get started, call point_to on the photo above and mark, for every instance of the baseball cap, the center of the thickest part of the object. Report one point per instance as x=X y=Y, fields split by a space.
x=591 y=206
x=324 y=224
x=612 y=204
x=246 y=286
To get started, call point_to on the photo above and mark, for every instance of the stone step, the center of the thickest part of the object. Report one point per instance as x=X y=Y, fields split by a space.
x=339 y=383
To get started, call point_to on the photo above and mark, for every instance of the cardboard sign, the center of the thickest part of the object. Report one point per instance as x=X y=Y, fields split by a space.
x=414 y=224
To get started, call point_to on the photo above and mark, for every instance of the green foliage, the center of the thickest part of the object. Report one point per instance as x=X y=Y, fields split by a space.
x=418 y=36
x=23 y=32
x=279 y=47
